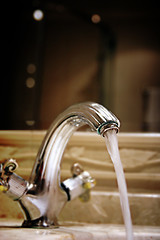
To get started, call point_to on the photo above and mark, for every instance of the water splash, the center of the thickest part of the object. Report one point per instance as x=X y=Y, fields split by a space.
x=112 y=146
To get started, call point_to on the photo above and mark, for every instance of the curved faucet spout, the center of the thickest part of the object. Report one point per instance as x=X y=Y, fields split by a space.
x=45 y=194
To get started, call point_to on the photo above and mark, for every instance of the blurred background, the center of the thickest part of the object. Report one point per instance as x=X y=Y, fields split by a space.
x=58 y=53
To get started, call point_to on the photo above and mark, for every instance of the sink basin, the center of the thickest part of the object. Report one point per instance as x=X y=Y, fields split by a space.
x=101 y=217
x=10 y=230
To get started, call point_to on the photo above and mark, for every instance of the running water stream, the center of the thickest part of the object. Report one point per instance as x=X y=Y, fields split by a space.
x=112 y=146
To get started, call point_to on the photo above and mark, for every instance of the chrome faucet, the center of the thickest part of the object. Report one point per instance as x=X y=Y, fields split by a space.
x=43 y=196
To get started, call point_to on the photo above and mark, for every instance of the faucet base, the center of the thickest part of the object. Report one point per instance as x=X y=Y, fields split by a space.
x=41 y=222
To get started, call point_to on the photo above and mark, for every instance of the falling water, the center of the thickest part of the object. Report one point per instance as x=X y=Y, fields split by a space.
x=112 y=146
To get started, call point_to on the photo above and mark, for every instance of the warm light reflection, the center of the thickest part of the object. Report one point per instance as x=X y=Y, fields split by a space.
x=31 y=68
x=38 y=15
x=30 y=122
x=30 y=82
x=96 y=18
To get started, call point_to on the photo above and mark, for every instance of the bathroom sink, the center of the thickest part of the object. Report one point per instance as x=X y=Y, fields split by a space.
x=101 y=217
x=104 y=208
x=10 y=230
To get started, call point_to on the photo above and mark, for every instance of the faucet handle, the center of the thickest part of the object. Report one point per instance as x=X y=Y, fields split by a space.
x=88 y=183
x=76 y=169
x=79 y=185
x=10 y=165
x=6 y=168
x=10 y=182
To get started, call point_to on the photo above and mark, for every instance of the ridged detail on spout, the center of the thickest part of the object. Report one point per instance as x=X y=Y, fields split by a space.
x=109 y=125
x=93 y=114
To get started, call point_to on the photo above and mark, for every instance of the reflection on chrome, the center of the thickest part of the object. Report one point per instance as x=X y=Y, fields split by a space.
x=44 y=196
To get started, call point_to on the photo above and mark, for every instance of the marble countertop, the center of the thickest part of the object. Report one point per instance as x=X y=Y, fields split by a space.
x=11 y=230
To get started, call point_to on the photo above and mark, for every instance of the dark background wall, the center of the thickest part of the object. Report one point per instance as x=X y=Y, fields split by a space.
x=67 y=58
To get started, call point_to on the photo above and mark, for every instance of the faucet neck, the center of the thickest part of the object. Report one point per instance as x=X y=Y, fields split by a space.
x=50 y=153
x=45 y=176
